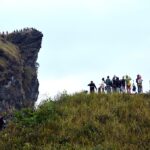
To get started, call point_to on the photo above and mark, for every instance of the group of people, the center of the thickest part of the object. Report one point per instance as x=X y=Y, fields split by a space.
x=115 y=84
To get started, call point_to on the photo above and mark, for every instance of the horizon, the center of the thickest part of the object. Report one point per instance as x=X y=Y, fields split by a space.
x=84 y=40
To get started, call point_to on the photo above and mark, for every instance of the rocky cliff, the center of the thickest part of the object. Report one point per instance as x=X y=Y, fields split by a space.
x=18 y=68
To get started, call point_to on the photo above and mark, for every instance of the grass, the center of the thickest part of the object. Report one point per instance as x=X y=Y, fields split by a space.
x=3 y=62
x=82 y=122
x=9 y=50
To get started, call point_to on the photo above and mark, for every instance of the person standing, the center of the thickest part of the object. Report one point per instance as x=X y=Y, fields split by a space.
x=123 y=85
x=101 y=89
x=139 y=83
x=118 y=85
x=92 y=87
x=128 y=84
x=108 y=83
x=114 y=83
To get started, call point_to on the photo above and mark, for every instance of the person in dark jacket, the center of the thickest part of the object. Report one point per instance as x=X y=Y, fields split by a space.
x=114 y=83
x=108 y=83
x=139 y=83
x=123 y=84
x=118 y=85
x=92 y=87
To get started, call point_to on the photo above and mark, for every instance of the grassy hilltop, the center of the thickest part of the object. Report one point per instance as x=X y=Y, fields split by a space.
x=82 y=122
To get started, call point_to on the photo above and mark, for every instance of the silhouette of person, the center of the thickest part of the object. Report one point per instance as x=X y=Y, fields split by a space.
x=139 y=83
x=108 y=83
x=92 y=87
x=123 y=84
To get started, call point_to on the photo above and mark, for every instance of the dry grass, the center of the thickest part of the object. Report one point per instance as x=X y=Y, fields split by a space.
x=10 y=50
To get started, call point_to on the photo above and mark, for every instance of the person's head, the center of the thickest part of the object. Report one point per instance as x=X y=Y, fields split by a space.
x=107 y=77
x=103 y=79
x=139 y=76
x=91 y=81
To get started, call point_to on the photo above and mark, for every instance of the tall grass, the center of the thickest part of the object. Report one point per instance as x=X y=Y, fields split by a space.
x=82 y=121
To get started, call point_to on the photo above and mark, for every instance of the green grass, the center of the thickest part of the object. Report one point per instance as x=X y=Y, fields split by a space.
x=82 y=122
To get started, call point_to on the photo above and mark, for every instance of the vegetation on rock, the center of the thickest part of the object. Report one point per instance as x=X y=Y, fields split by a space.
x=18 y=69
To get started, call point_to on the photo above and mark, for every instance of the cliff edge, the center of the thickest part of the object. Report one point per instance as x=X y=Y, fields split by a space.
x=18 y=68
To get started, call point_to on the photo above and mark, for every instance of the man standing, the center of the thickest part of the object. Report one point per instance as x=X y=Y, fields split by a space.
x=92 y=87
x=139 y=83
x=123 y=84
x=108 y=84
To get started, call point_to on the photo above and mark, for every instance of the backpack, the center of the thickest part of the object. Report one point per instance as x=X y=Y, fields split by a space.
x=108 y=82
x=134 y=88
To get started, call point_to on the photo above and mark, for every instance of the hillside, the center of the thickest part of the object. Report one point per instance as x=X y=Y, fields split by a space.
x=82 y=122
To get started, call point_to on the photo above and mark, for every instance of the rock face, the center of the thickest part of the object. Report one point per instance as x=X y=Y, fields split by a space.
x=18 y=68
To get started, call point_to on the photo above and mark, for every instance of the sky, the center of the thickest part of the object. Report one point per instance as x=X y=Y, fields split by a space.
x=84 y=40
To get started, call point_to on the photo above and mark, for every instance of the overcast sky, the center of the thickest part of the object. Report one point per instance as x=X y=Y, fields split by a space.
x=84 y=40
